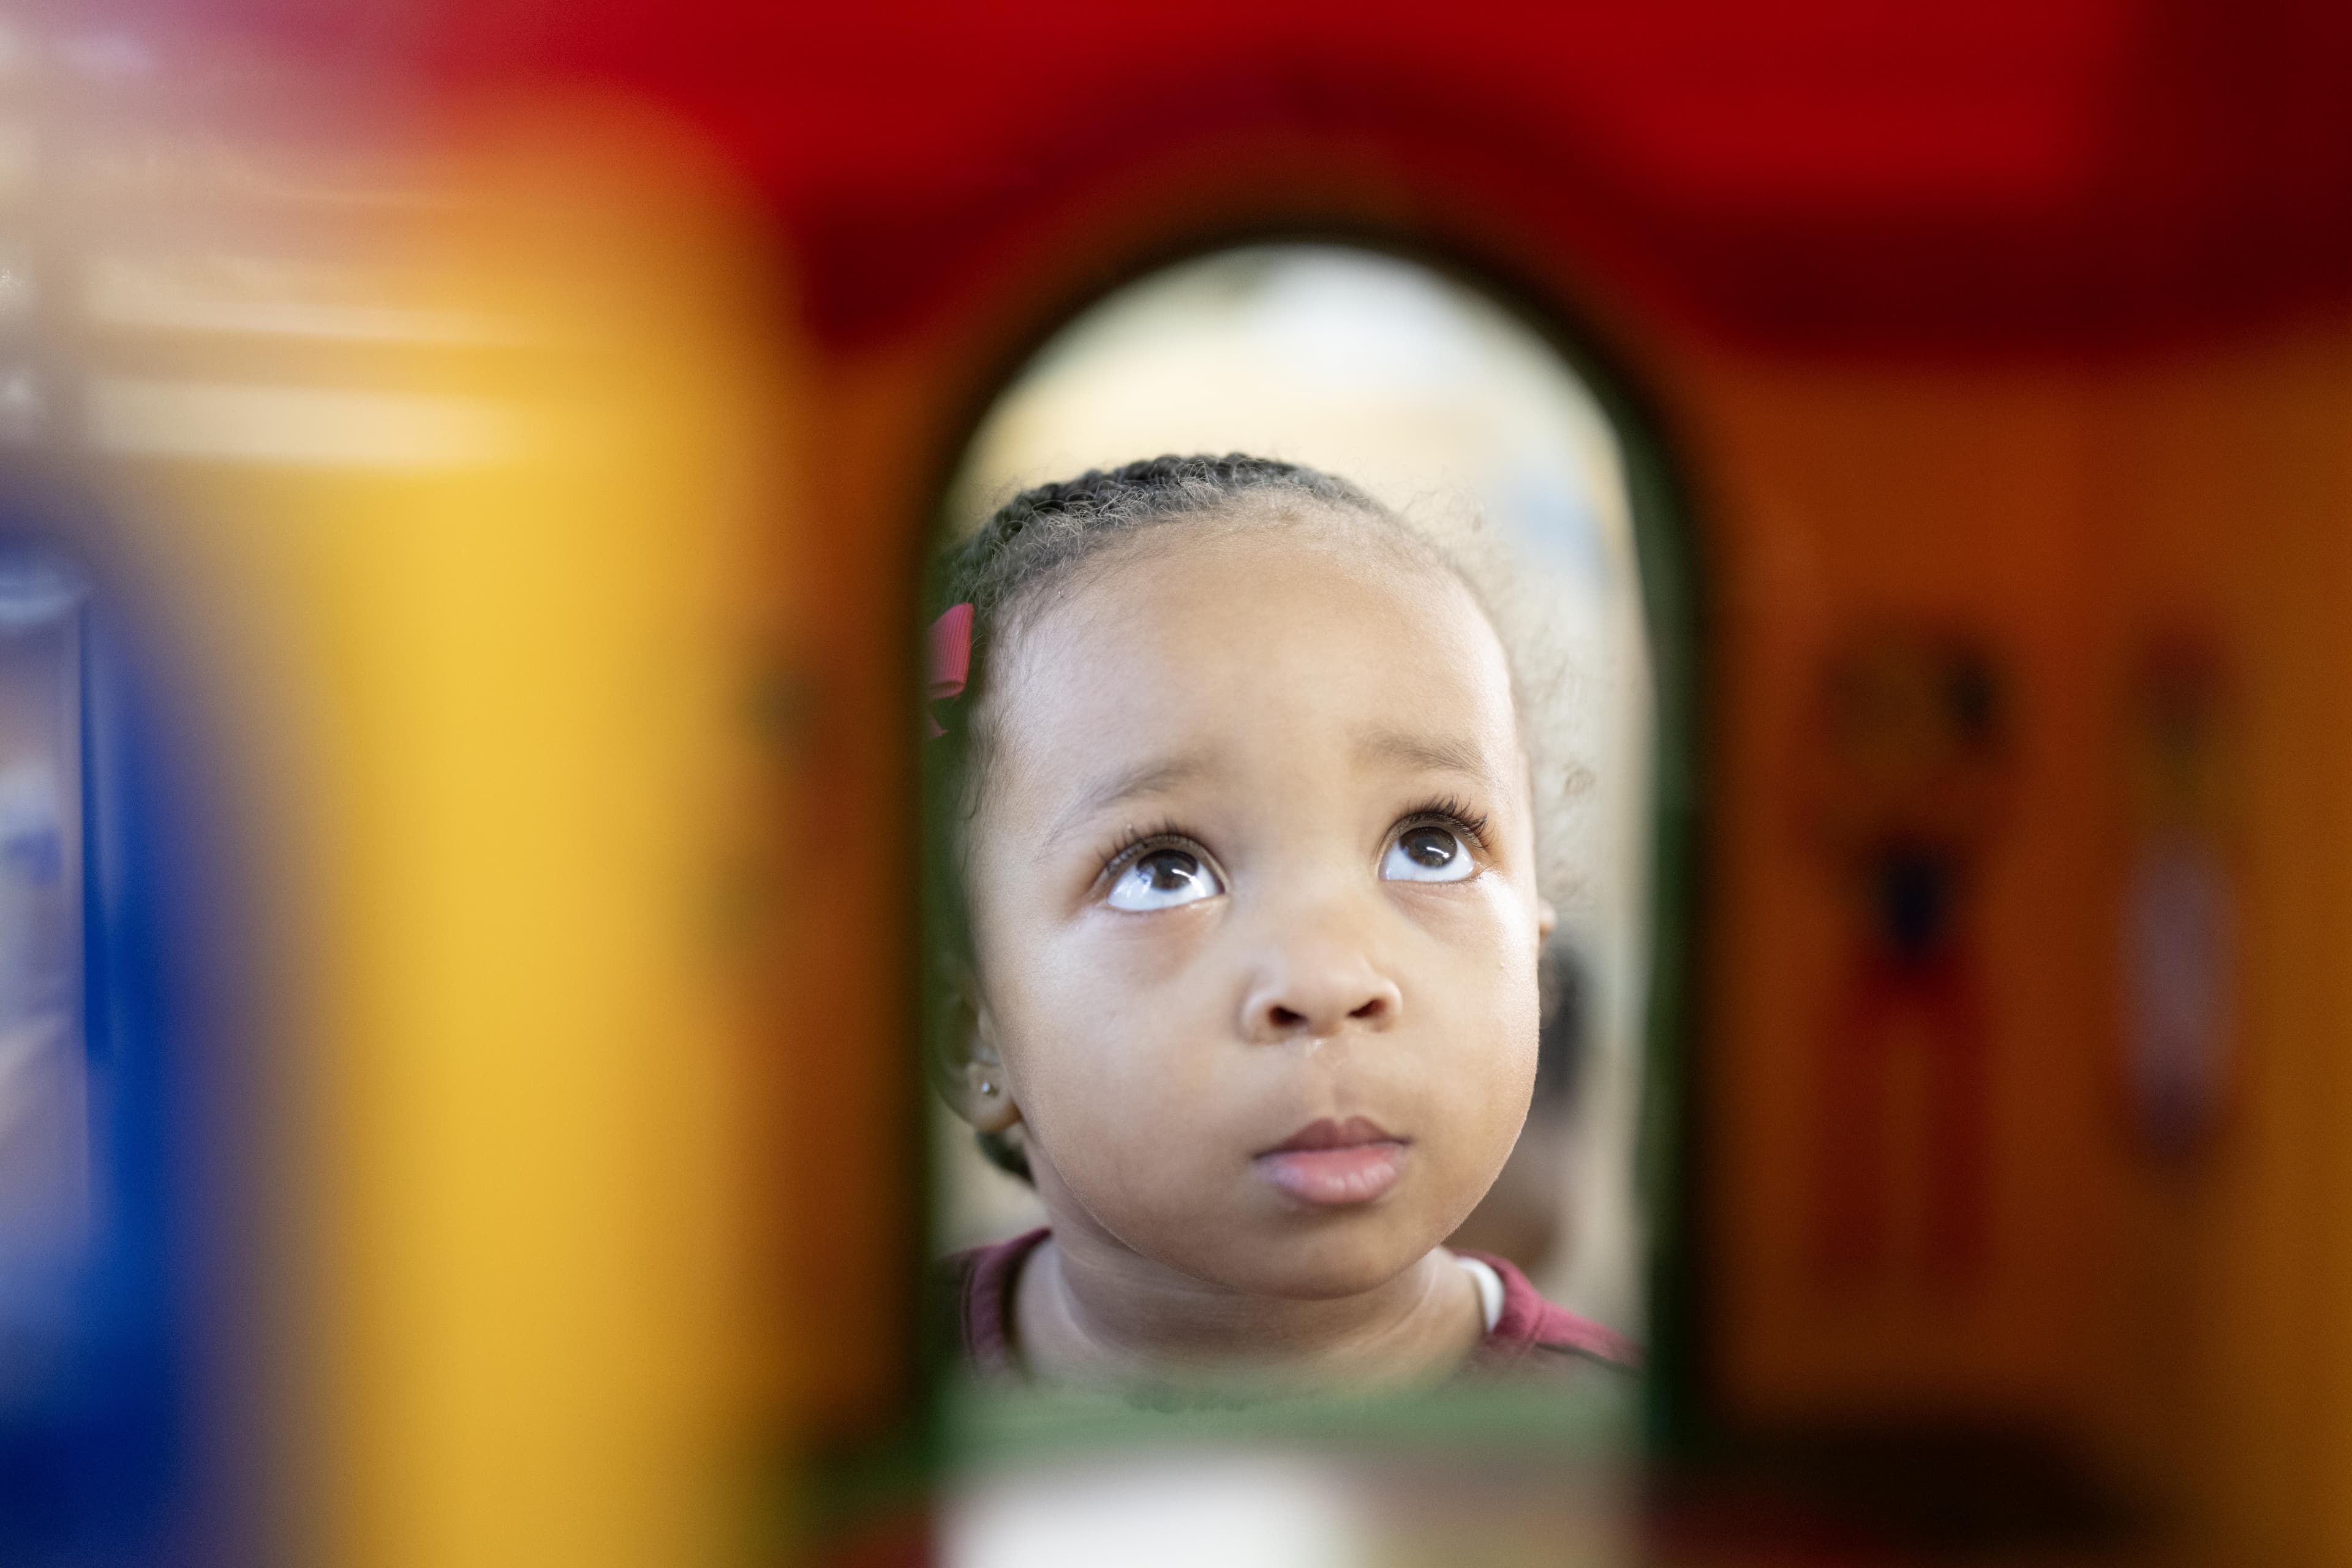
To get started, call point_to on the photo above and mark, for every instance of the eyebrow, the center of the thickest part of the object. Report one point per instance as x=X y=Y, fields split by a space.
x=1147 y=777
x=1423 y=754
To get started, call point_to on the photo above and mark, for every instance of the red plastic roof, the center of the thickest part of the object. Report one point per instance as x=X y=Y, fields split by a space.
x=2001 y=174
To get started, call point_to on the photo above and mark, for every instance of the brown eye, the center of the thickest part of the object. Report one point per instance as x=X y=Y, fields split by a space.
x=1162 y=879
x=1428 y=853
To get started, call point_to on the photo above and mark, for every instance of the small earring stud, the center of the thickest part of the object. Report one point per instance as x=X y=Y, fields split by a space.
x=986 y=1086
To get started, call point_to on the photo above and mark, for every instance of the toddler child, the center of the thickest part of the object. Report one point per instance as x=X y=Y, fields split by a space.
x=1233 y=864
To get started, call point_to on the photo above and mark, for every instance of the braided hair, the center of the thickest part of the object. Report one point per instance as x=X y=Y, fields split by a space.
x=1038 y=537
x=1043 y=533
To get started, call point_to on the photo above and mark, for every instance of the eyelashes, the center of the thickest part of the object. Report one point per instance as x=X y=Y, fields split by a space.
x=1453 y=812
x=1164 y=867
x=1161 y=869
x=1441 y=843
x=1131 y=842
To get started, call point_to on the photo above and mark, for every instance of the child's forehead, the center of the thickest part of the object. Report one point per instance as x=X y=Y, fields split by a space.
x=1218 y=575
x=1169 y=602
x=1279 y=637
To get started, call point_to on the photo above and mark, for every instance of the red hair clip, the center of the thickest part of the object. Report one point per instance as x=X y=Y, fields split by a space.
x=950 y=657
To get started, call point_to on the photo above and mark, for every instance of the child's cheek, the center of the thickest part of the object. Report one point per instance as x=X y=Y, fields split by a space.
x=1478 y=975
x=1489 y=912
x=1143 y=951
x=1104 y=1021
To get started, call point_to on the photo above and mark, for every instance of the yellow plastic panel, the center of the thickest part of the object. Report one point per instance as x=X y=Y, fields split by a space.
x=483 y=533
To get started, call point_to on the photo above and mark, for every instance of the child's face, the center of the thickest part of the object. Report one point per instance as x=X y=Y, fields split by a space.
x=1255 y=867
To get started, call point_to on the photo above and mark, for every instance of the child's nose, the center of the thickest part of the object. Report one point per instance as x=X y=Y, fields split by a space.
x=1315 y=992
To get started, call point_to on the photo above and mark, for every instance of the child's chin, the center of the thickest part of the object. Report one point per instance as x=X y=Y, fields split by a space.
x=1332 y=1262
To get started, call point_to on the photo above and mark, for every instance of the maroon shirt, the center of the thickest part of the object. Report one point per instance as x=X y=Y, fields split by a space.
x=1531 y=1336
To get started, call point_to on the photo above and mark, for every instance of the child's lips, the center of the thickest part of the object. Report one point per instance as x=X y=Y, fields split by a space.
x=1335 y=1163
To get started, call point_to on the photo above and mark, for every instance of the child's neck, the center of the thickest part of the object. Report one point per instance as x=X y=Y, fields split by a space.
x=1089 y=1311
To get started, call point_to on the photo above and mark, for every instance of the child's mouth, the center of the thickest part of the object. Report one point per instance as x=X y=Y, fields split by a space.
x=1335 y=1163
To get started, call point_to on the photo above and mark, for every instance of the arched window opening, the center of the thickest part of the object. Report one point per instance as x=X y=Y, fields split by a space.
x=1449 y=408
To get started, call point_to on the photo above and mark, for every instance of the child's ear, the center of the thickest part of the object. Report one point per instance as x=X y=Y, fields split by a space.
x=1546 y=919
x=965 y=1068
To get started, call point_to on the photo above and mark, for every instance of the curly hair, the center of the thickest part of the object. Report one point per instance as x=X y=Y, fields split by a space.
x=1043 y=533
